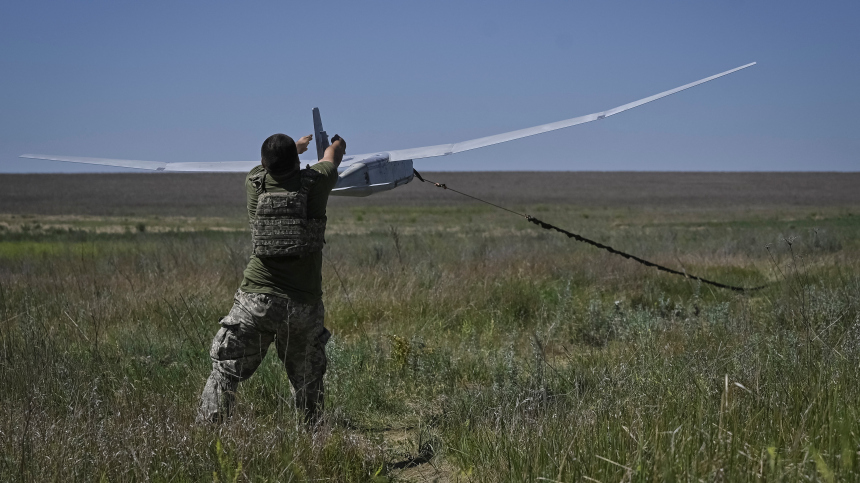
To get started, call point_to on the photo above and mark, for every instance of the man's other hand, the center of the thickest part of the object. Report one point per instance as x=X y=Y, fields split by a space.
x=334 y=153
x=302 y=143
x=339 y=143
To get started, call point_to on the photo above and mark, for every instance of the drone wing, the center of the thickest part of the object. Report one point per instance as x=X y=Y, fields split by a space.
x=205 y=167
x=398 y=155
x=446 y=149
x=123 y=163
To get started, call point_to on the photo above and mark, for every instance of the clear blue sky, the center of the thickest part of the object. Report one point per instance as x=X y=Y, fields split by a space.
x=208 y=81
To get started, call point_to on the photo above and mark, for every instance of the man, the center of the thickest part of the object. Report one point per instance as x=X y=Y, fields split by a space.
x=280 y=298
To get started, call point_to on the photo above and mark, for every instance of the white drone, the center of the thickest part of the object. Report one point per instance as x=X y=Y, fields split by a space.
x=365 y=174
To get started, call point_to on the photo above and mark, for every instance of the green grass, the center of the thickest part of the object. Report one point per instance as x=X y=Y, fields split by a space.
x=462 y=336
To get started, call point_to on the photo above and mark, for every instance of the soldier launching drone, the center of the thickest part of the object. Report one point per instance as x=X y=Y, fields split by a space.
x=280 y=298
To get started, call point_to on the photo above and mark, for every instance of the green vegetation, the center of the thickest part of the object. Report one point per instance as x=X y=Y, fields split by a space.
x=468 y=345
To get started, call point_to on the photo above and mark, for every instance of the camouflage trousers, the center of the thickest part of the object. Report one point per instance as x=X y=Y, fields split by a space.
x=254 y=322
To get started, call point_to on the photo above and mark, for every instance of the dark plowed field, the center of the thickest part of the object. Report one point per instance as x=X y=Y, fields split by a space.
x=223 y=194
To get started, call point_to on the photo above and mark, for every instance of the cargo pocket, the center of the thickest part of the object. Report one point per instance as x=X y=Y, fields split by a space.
x=225 y=342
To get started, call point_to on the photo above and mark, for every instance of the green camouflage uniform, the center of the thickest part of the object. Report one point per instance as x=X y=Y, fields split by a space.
x=280 y=300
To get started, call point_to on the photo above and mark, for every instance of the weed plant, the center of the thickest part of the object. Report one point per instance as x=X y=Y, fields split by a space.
x=468 y=346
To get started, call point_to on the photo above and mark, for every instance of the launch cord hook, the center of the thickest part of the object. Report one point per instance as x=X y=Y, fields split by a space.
x=579 y=238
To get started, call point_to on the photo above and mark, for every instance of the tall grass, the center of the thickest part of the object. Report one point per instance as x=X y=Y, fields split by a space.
x=467 y=346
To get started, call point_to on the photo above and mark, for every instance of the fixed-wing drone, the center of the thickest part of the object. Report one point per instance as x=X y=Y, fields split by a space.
x=365 y=174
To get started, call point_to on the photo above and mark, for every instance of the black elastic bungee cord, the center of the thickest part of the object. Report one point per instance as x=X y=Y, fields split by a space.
x=580 y=238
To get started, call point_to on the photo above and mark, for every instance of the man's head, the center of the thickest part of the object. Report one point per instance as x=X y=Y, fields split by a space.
x=279 y=155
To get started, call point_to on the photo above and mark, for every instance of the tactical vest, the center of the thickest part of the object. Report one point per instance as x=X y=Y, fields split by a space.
x=281 y=226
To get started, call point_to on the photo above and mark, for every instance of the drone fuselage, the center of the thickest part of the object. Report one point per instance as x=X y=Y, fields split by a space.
x=372 y=174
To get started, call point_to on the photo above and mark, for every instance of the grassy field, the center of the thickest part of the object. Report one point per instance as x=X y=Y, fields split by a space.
x=468 y=345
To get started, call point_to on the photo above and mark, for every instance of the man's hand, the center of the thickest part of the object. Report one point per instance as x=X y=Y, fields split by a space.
x=302 y=143
x=340 y=142
x=334 y=153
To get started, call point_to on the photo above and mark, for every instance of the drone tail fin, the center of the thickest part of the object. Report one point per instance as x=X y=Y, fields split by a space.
x=319 y=135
